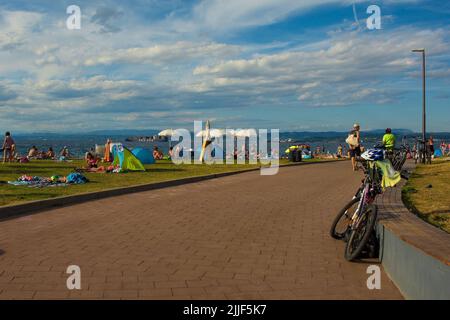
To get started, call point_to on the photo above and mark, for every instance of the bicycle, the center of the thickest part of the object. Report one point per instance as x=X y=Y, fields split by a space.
x=359 y=214
x=356 y=221
x=423 y=154
x=364 y=218
x=397 y=156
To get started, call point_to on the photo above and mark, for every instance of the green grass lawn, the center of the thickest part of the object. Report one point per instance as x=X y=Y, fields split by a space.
x=427 y=193
x=161 y=171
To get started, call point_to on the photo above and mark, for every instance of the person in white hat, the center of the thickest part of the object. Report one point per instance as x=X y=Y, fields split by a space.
x=354 y=144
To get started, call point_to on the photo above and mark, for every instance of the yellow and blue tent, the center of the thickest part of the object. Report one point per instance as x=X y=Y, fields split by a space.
x=126 y=159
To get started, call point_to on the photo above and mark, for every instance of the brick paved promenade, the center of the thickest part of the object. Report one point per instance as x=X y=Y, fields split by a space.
x=240 y=237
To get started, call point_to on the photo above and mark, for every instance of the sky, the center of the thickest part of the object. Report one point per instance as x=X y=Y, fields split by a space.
x=293 y=65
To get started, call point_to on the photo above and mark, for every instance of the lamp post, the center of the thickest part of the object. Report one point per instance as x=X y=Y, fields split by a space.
x=423 y=99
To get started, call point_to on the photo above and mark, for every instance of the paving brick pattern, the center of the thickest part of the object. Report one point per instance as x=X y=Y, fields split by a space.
x=240 y=237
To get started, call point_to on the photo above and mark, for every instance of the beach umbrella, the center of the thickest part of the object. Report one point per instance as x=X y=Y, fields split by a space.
x=213 y=133
x=167 y=133
x=245 y=133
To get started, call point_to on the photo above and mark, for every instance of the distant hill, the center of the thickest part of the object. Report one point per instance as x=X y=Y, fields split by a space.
x=296 y=135
x=119 y=132
x=403 y=132
x=125 y=132
x=302 y=135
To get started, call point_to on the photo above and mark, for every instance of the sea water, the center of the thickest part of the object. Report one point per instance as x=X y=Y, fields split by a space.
x=79 y=144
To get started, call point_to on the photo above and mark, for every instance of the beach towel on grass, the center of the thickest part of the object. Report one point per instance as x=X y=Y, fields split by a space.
x=41 y=182
x=37 y=182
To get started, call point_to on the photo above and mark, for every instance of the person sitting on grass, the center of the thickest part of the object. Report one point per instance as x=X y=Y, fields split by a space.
x=91 y=160
x=50 y=154
x=9 y=147
x=64 y=153
x=157 y=155
x=33 y=153
x=339 y=151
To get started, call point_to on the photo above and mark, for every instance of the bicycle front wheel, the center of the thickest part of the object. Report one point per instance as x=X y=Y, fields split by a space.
x=359 y=235
x=341 y=223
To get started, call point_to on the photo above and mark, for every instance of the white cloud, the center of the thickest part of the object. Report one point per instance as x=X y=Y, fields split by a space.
x=53 y=73
x=165 y=53
x=16 y=26
x=224 y=15
x=344 y=69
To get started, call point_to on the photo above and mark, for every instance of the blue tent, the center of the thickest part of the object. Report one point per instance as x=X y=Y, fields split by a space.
x=438 y=153
x=126 y=159
x=144 y=155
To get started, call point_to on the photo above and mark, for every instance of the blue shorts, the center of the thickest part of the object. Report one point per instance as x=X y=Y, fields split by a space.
x=355 y=152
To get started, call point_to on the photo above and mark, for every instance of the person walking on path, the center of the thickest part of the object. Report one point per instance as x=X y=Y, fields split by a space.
x=389 y=140
x=9 y=147
x=354 y=144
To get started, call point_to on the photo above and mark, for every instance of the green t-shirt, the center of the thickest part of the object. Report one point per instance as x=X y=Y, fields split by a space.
x=389 y=140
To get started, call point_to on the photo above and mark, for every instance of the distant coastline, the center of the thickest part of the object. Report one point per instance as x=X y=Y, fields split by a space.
x=80 y=143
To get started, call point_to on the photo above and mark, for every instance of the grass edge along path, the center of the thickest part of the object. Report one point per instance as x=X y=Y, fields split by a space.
x=426 y=193
x=162 y=171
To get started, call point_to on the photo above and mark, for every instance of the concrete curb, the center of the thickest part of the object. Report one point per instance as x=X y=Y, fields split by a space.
x=414 y=254
x=31 y=207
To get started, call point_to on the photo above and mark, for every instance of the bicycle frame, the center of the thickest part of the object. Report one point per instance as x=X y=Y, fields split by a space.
x=368 y=193
x=423 y=152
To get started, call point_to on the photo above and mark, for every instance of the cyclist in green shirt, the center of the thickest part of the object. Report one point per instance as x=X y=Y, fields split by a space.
x=389 y=139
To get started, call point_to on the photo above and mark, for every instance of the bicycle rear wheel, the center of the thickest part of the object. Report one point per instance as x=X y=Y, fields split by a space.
x=399 y=160
x=341 y=224
x=360 y=235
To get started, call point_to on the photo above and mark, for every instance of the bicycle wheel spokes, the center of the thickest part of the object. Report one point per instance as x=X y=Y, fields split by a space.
x=341 y=223
x=360 y=233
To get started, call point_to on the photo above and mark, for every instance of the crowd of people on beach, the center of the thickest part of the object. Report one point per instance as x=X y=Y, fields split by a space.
x=10 y=153
x=92 y=158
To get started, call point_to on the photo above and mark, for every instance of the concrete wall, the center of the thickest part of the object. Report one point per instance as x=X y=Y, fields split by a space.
x=416 y=274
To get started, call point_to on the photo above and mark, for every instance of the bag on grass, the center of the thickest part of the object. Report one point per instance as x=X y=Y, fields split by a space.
x=76 y=178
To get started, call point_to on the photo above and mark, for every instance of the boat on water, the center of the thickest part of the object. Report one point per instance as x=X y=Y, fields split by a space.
x=147 y=139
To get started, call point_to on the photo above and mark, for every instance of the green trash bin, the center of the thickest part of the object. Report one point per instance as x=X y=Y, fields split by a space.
x=291 y=155
x=298 y=155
